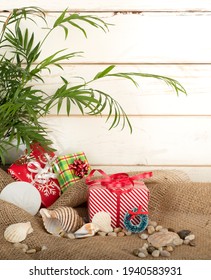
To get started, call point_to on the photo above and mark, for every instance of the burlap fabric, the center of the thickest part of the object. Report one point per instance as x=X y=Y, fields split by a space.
x=175 y=202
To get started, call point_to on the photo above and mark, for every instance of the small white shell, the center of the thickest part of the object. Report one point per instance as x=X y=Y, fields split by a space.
x=61 y=220
x=17 y=232
x=103 y=220
x=86 y=230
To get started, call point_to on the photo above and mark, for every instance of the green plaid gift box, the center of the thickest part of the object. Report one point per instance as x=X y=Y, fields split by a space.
x=70 y=169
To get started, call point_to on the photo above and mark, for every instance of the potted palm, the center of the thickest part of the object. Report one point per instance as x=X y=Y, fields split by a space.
x=22 y=103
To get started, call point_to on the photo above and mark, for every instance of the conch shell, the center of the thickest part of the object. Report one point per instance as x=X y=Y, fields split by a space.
x=17 y=232
x=86 y=230
x=61 y=220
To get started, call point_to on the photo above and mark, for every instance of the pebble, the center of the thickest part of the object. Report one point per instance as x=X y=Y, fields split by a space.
x=112 y=234
x=152 y=223
x=145 y=246
x=150 y=249
x=136 y=252
x=127 y=232
x=141 y=255
x=156 y=253
x=169 y=248
x=120 y=234
x=144 y=236
x=186 y=242
x=165 y=253
x=118 y=229
x=31 y=251
x=101 y=233
x=44 y=248
x=183 y=233
x=22 y=246
x=177 y=241
x=158 y=228
x=190 y=237
x=150 y=229
x=192 y=243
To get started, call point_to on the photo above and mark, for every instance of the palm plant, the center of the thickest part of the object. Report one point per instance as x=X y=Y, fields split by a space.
x=22 y=104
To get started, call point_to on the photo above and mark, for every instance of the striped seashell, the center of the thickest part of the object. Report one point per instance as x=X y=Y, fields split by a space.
x=17 y=232
x=61 y=220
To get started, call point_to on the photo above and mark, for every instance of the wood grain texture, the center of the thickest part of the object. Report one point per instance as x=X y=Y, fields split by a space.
x=113 y=5
x=133 y=37
x=154 y=141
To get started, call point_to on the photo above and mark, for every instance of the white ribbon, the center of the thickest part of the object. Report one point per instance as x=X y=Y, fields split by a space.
x=43 y=175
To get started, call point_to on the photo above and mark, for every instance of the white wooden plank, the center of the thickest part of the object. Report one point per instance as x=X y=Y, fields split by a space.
x=154 y=141
x=137 y=38
x=153 y=97
x=112 y=5
x=196 y=174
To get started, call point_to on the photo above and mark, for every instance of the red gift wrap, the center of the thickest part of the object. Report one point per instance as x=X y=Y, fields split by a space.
x=36 y=168
x=117 y=194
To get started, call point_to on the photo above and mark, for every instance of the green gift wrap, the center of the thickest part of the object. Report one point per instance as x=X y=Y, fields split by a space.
x=70 y=169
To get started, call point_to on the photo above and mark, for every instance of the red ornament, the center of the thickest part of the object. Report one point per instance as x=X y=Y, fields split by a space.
x=80 y=168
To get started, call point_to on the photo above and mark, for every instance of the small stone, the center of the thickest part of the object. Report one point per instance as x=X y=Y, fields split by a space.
x=186 y=242
x=160 y=249
x=70 y=235
x=128 y=233
x=152 y=223
x=190 y=237
x=20 y=246
x=112 y=234
x=150 y=249
x=31 y=251
x=143 y=250
x=120 y=234
x=145 y=246
x=177 y=241
x=118 y=229
x=165 y=253
x=169 y=248
x=192 y=243
x=136 y=252
x=158 y=228
x=183 y=233
x=101 y=233
x=150 y=229
x=141 y=255
x=43 y=248
x=156 y=253
x=144 y=236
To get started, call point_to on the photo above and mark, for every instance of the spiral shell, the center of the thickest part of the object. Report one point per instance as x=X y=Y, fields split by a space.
x=61 y=220
x=17 y=232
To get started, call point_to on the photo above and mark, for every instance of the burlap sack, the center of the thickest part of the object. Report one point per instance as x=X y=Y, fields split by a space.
x=174 y=202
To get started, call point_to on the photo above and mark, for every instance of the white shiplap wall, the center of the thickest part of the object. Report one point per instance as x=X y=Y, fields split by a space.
x=154 y=36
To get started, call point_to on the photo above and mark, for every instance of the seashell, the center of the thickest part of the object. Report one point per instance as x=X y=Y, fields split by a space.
x=60 y=220
x=23 y=195
x=17 y=232
x=86 y=230
x=103 y=220
x=160 y=239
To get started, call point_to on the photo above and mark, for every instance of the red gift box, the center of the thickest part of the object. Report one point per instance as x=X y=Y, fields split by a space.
x=117 y=194
x=36 y=168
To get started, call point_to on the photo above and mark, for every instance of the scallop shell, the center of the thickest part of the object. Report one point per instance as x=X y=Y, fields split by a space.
x=17 y=232
x=160 y=239
x=60 y=220
x=103 y=220
x=87 y=230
